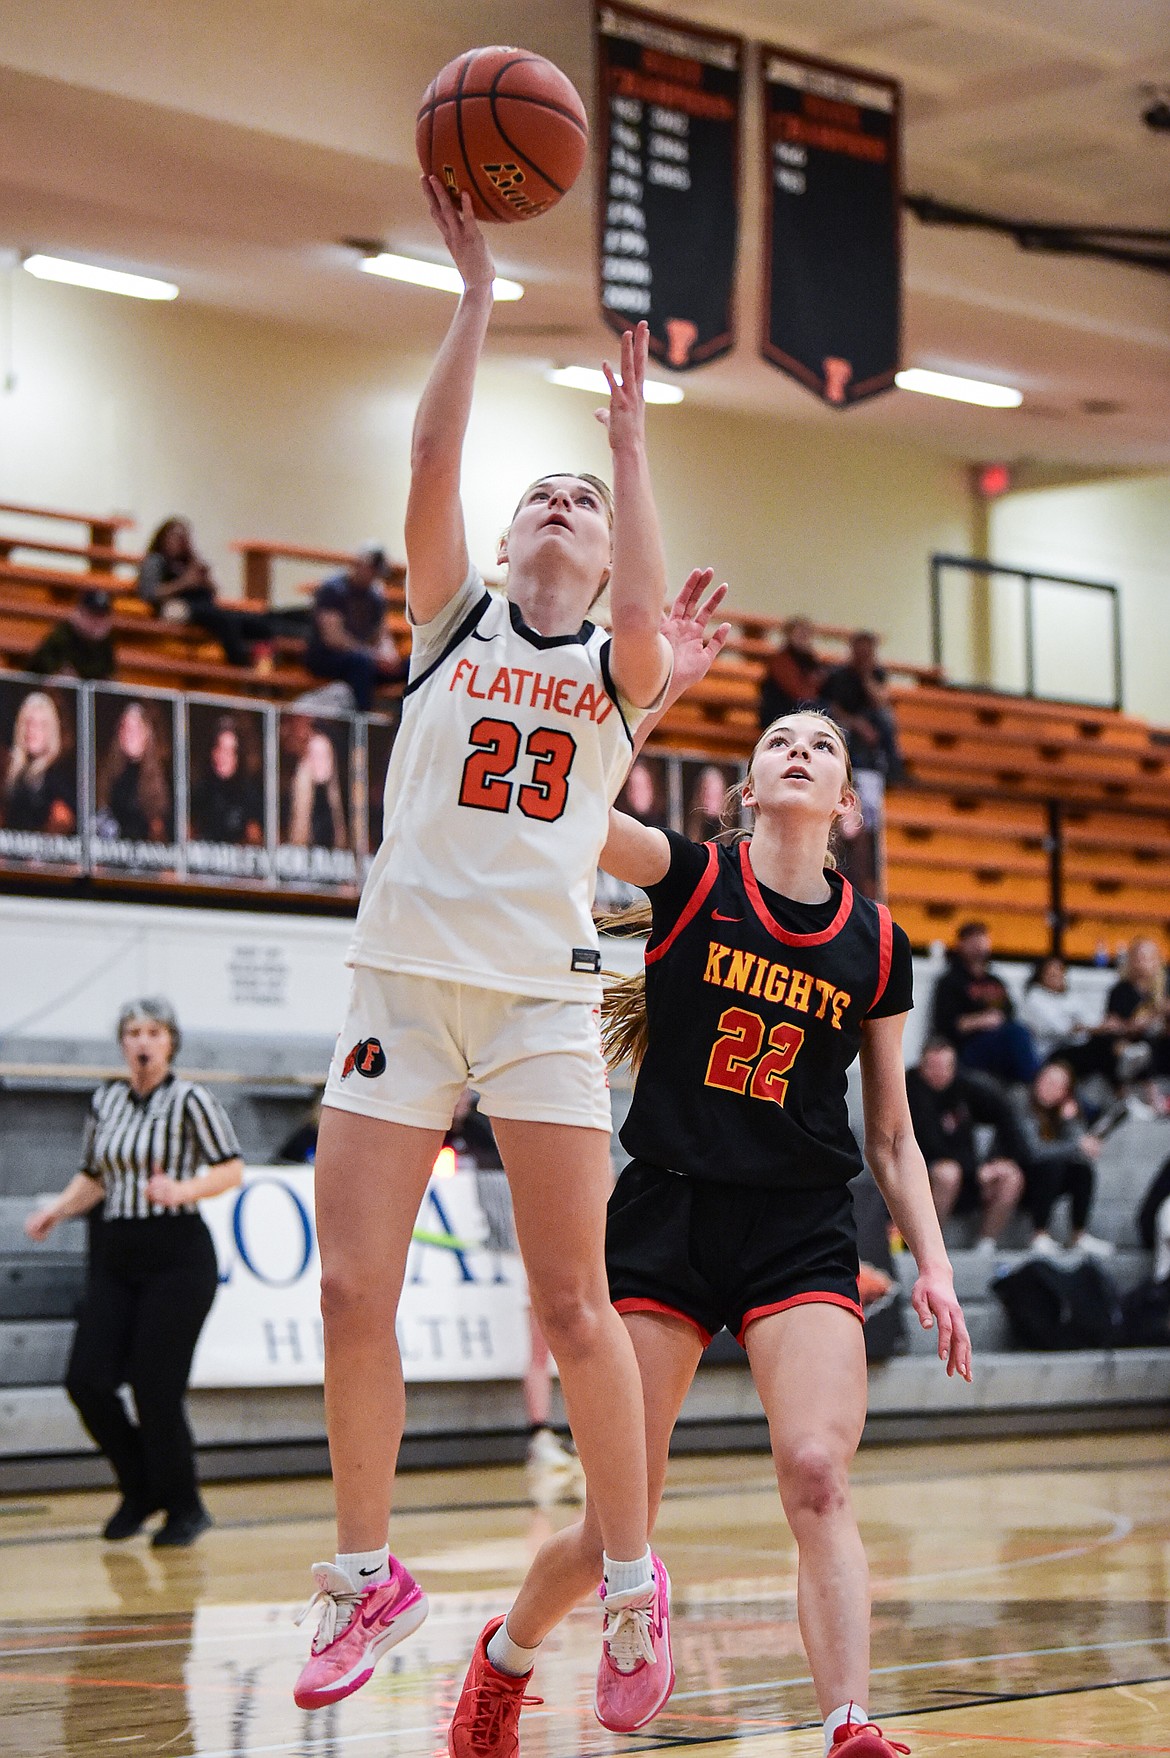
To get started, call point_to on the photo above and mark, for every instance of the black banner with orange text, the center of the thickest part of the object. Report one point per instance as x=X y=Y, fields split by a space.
x=832 y=249
x=668 y=170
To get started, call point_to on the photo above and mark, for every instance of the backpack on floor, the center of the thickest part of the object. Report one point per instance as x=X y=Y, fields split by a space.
x=1060 y=1306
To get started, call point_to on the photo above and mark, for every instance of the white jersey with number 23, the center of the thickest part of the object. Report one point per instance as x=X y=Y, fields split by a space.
x=512 y=747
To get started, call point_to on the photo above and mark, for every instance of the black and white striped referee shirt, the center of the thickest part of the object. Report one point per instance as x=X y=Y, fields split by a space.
x=177 y=1128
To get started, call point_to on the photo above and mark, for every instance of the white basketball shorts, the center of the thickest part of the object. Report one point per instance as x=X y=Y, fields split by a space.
x=411 y=1044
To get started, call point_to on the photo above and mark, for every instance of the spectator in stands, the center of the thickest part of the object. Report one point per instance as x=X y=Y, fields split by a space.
x=973 y=1011
x=857 y=695
x=946 y=1105
x=1137 y=1016
x=1153 y=1222
x=176 y=582
x=350 y=640
x=227 y=802
x=133 y=791
x=1060 y=1152
x=793 y=674
x=155 y=1147
x=82 y=645
x=39 y=790
x=1056 y=1016
x=316 y=811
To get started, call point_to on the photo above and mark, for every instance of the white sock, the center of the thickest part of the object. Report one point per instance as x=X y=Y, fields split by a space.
x=365 y=1567
x=508 y=1656
x=627 y=1580
x=847 y=1712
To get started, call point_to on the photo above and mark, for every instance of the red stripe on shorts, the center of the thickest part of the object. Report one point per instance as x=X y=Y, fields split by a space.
x=816 y=1298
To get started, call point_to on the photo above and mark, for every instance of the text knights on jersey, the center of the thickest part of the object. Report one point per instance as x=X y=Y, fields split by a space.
x=750 y=974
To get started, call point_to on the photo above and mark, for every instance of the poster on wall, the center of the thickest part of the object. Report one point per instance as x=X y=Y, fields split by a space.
x=381 y=732
x=710 y=802
x=229 y=828
x=134 y=782
x=316 y=846
x=668 y=169
x=649 y=794
x=833 y=243
x=41 y=810
x=463 y=1313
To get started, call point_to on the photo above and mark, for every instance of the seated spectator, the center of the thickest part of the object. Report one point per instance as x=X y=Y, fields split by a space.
x=1060 y=1152
x=1051 y=1012
x=176 y=582
x=972 y=1010
x=793 y=674
x=39 y=789
x=946 y=1104
x=1137 y=1017
x=81 y=646
x=857 y=696
x=1153 y=1222
x=350 y=641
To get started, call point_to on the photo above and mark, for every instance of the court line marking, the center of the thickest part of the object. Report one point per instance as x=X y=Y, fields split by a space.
x=770 y=1726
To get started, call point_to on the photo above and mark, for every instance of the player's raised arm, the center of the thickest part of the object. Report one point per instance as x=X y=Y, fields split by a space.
x=637 y=853
x=637 y=586
x=436 y=542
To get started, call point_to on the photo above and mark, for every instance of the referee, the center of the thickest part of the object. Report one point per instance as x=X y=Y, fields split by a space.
x=152 y=1271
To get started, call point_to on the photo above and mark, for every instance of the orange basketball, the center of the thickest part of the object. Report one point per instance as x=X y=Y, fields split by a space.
x=508 y=127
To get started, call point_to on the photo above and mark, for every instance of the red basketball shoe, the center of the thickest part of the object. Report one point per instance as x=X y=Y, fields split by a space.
x=855 y=1739
x=487 y=1715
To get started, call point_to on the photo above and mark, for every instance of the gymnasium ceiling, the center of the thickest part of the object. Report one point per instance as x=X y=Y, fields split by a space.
x=229 y=144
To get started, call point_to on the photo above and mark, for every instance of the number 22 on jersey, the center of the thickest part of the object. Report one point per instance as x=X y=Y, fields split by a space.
x=736 y=1064
x=495 y=752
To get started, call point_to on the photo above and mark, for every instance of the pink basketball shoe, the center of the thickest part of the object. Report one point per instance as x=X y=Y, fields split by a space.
x=636 y=1674
x=356 y=1627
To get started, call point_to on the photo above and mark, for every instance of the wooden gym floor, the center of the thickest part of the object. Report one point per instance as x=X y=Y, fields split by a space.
x=1021 y=1604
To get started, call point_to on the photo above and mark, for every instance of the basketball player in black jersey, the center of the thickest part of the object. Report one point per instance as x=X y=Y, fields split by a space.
x=766 y=974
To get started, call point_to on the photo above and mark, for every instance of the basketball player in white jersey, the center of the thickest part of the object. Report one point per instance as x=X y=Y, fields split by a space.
x=475 y=959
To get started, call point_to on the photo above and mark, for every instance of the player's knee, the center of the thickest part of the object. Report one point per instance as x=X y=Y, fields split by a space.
x=814 y=1481
x=347 y=1297
x=571 y=1320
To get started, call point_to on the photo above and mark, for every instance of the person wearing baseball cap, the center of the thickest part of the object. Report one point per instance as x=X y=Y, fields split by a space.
x=349 y=639
x=82 y=645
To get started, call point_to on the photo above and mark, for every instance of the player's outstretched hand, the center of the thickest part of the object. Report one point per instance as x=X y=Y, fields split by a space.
x=934 y=1299
x=685 y=627
x=625 y=419
x=460 y=232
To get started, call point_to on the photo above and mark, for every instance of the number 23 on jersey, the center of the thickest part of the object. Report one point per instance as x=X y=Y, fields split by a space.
x=494 y=755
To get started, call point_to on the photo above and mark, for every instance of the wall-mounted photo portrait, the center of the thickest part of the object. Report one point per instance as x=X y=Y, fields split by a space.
x=133 y=781
x=227 y=822
x=40 y=775
x=315 y=767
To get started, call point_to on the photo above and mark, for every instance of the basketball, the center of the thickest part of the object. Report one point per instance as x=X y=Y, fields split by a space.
x=508 y=127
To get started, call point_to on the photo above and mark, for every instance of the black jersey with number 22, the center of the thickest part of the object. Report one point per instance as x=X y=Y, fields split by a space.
x=753 y=1025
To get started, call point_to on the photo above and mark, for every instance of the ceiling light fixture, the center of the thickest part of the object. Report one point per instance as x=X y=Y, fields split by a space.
x=87 y=274
x=589 y=378
x=959 y=390
x=432 y=274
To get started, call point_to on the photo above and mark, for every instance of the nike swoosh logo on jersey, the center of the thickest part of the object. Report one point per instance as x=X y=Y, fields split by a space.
x=716 y=917
x=476 y=636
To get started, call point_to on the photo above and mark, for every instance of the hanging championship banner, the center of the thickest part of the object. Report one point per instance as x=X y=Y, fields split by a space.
x=668 y=166
x=833 y=247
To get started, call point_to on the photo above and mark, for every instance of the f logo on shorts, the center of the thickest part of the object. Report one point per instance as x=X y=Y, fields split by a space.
x=368 y=1057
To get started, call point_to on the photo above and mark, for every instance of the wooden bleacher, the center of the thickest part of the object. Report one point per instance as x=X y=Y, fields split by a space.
x=998 y=787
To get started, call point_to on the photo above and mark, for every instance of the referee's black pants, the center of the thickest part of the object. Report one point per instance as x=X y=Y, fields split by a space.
x=150 y=1288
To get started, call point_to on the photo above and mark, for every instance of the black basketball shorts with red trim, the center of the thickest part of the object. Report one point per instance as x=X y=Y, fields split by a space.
x=726 y=1254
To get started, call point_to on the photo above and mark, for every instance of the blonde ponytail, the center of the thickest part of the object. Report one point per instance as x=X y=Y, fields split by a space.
x=625 y=1031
